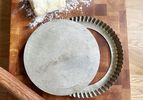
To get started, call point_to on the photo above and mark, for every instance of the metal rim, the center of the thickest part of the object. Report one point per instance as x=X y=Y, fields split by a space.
x=116 y=57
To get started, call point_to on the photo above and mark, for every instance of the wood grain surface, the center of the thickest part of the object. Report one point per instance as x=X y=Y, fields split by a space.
x=108 y=14
x=4 y=39
x=16 y=87
x=135 y=33
x=134 y=12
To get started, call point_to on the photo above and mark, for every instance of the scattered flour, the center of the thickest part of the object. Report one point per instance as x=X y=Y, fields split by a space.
x=70 y=5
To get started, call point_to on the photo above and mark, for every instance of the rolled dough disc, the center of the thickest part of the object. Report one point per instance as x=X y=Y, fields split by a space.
x=61 y=57
x=41 y=7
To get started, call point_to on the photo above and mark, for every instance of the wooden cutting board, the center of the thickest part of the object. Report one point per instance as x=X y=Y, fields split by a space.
x=112 y=12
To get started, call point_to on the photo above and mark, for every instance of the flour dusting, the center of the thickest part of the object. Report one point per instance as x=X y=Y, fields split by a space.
x=70 y=5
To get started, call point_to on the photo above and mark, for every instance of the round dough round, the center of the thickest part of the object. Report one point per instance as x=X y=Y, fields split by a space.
x=42 y=7
x=61 y=57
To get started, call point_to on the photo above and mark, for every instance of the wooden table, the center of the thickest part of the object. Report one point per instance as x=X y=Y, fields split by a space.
x=135 y=34
x=111 y=12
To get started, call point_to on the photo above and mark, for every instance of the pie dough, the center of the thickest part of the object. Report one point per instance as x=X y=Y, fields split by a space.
x=41 y=7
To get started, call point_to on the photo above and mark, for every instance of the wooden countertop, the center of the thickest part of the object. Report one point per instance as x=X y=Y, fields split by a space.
x=134 y=34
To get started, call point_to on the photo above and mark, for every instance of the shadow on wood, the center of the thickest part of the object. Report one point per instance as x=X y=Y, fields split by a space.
x=4 y=39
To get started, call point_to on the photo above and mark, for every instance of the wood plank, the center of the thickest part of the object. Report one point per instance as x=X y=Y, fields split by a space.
x=16 y=87
x=135 y=29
